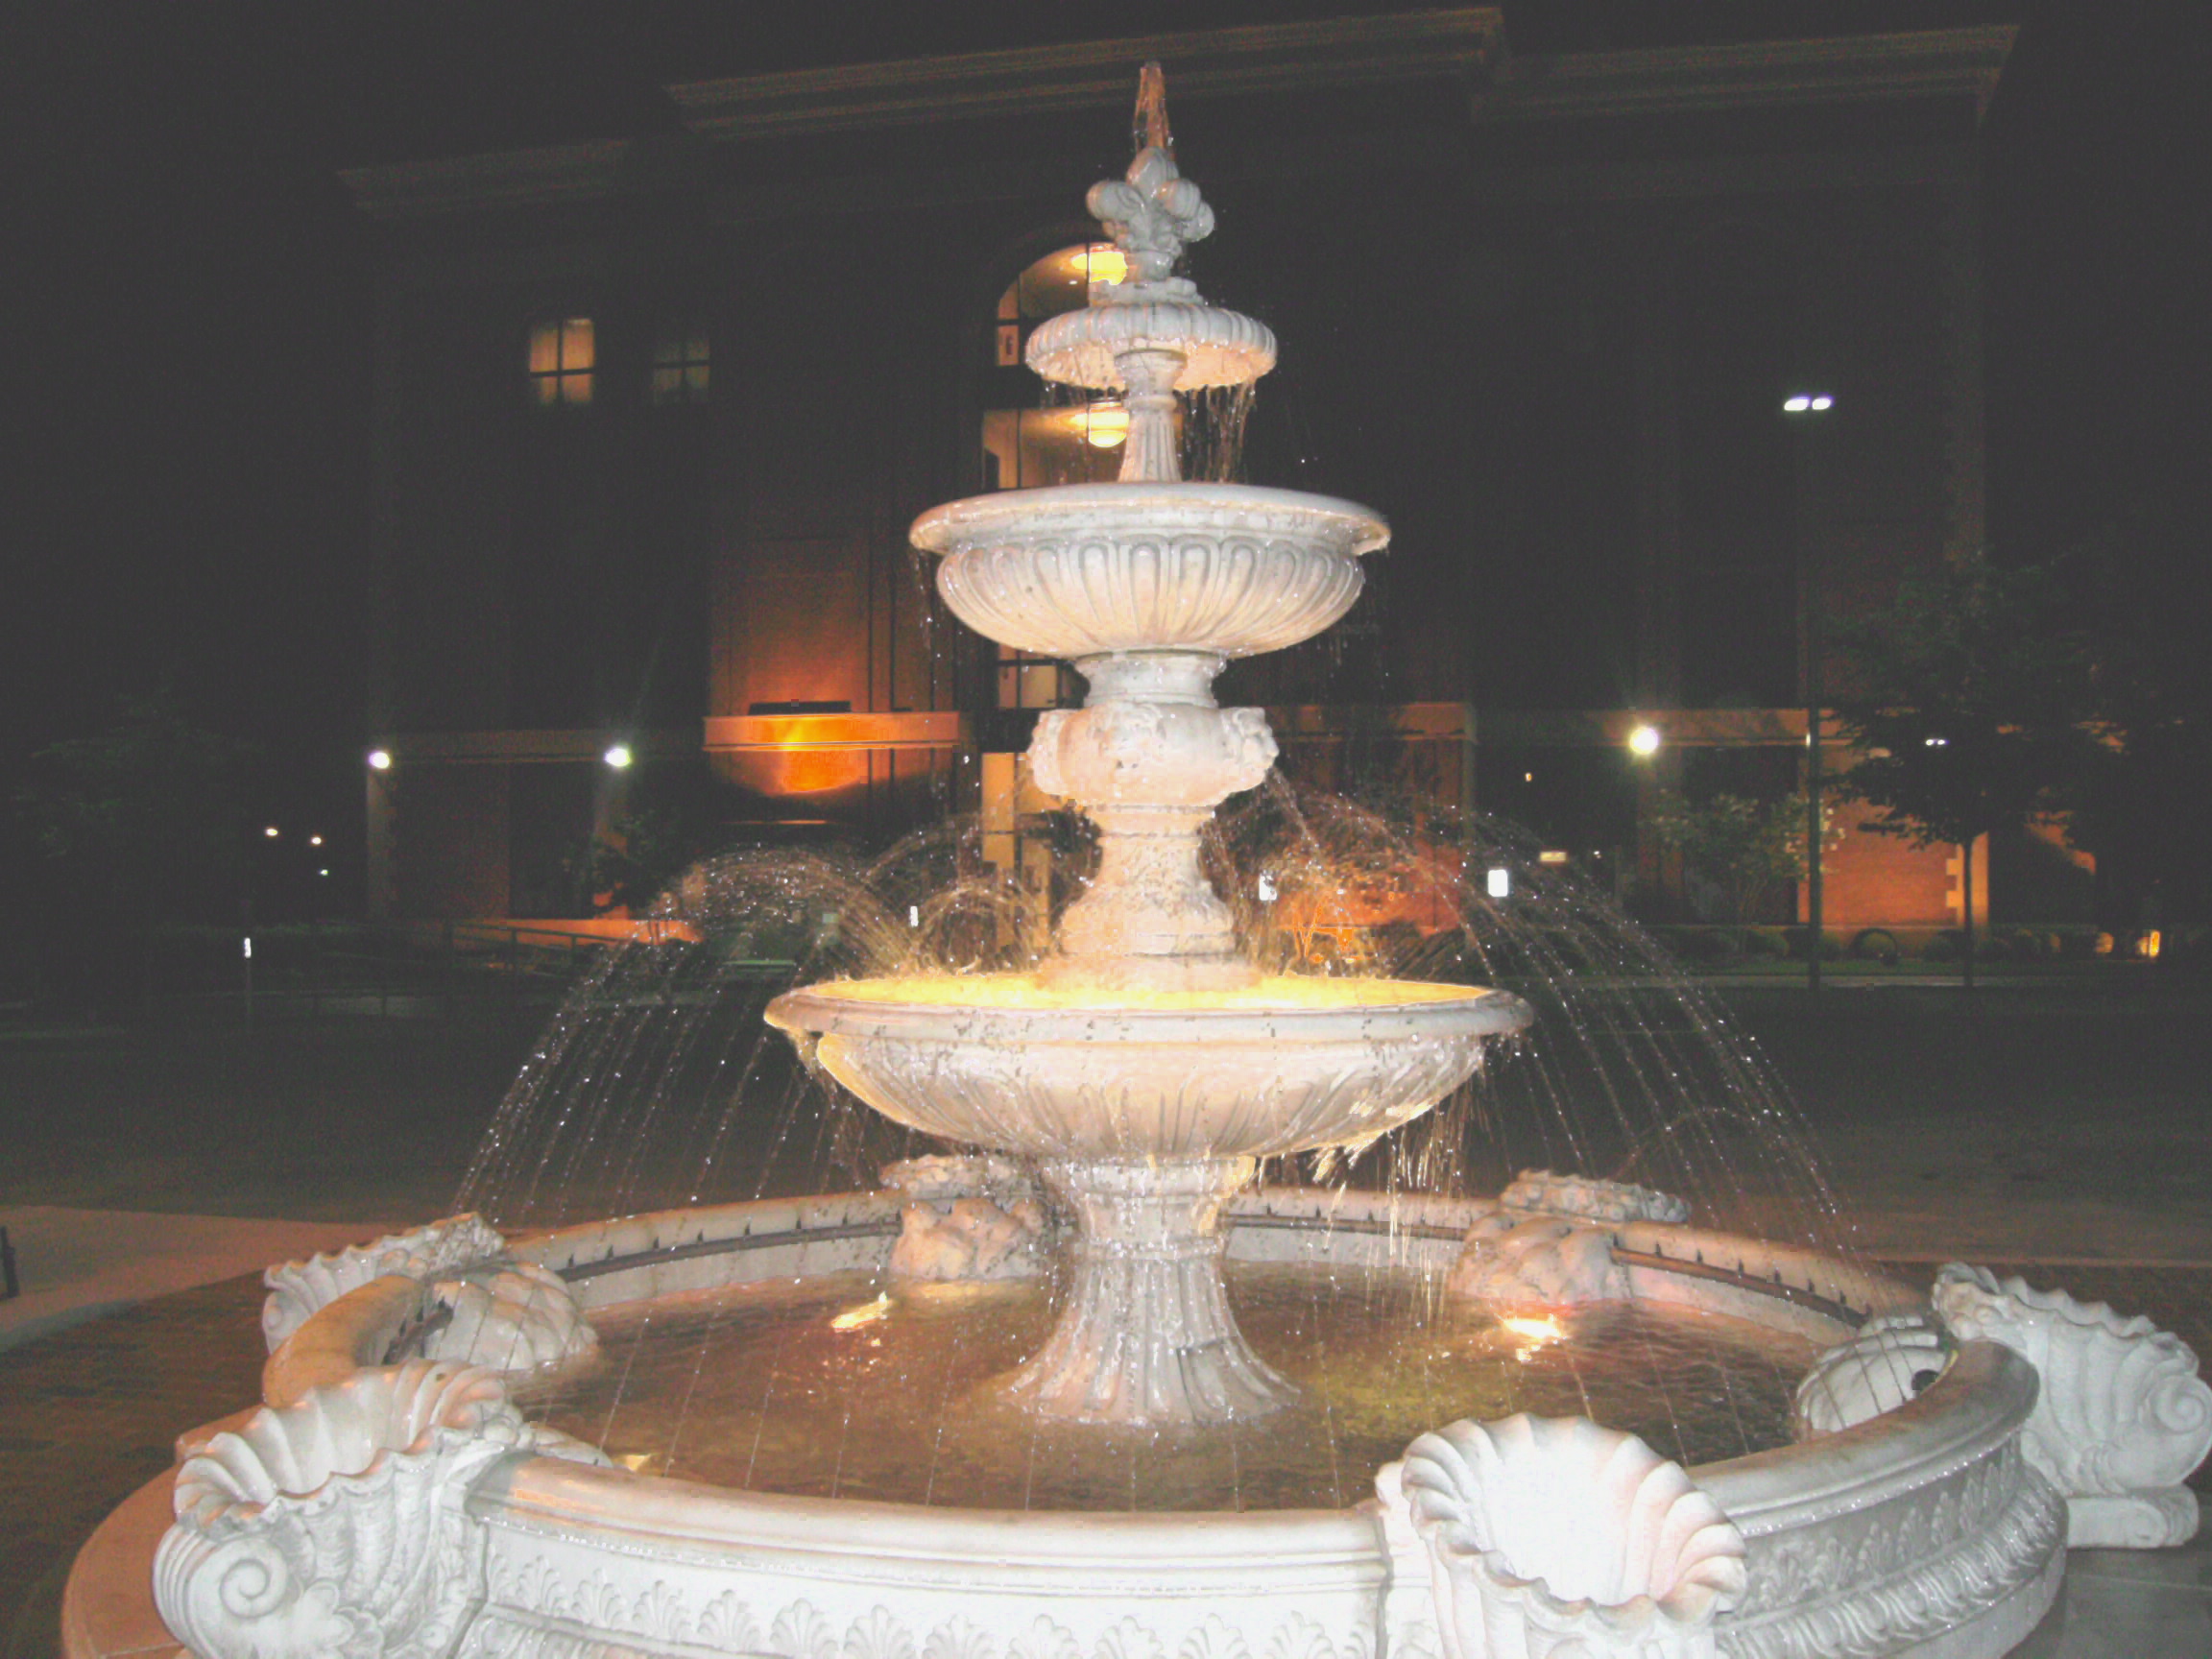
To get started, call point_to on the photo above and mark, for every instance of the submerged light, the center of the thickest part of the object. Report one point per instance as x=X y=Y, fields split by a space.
x=866 y=1313
x=1536 y=1330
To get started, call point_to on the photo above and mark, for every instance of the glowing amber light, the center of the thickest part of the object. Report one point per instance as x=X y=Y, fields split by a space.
x=1105 y=426
x=1102 y=262
x=1535 y=1329
x=866 y=1313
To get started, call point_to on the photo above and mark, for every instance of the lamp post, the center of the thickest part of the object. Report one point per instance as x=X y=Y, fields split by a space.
x=1802 y=407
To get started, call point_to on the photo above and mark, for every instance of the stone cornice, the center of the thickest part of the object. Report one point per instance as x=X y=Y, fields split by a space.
x=505 y=179
x=1097 y=74
x=1750 y=75
x=1466 y=45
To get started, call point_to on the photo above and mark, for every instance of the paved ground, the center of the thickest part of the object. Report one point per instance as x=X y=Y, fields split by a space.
x=2064 y=1129
x=79 y=1264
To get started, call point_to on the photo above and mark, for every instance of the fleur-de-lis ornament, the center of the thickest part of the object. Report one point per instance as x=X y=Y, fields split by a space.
x=1152 y=211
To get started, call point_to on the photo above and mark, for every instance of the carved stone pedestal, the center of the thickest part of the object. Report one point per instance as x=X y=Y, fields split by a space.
x=1145 y=1336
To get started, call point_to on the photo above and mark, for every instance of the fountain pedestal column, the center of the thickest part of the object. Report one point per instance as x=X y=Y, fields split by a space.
x=1148 y=757
x=1144 y=1334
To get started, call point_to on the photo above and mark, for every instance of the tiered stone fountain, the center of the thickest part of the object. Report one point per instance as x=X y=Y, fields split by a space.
x=1147 y=1066
x=389 y=1499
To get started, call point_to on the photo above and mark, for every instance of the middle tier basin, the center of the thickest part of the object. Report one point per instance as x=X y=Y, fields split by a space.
x=1002 y=1062
x=1080 y=571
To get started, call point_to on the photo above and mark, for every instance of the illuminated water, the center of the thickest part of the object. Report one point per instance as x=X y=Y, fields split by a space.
x=830 y=1387
x=1278 y=992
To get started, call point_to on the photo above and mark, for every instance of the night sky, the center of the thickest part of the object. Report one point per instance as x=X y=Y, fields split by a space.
x=188 y=294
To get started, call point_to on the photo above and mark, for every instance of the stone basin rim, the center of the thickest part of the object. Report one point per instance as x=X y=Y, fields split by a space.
x=824 y=1010
x=1125 y=508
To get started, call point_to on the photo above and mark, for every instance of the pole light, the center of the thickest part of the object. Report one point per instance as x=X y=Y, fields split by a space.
x=618 y=757
x=1644 y=741
x=379 y=759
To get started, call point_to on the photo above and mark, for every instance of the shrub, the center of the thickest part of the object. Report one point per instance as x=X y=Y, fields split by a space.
x=1875 y=945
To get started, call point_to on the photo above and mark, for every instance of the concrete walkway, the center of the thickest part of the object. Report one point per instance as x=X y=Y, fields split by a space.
x=81 y=1264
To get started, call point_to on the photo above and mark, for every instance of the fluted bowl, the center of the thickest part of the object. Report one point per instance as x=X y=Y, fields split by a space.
x=1084 y=569
x=1282 y=1065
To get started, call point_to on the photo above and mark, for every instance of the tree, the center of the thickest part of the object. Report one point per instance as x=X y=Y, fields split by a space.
x=1967 y=708
x=2142 y=806
x=1744 y=847
x=673 y=816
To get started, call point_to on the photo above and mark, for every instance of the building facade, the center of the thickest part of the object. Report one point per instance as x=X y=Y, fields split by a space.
x=653 y=415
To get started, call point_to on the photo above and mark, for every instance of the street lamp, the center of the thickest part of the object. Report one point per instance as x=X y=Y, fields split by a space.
x=618 y=757
x=379 y=759
x=1799 y=405
x=1644 y=741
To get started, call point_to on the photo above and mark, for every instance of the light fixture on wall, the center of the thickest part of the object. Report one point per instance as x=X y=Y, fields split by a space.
x=618 y=757
x=1105 y=426
x=1102 y=263
x=1643 y=740
x=1808 y=403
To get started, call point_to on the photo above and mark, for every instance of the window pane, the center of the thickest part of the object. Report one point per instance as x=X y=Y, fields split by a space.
x=695 y=382
x=576 y=345
x=695 y=348
x=665 y=382
x=547 y=387
x=544 y=348
x=576 y=388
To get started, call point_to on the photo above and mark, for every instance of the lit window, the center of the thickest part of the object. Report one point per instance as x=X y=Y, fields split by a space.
x=1069 y=441
x=680 y=364
x=562 y=356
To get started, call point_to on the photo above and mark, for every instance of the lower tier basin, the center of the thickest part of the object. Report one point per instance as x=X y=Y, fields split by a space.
x=1146 y=1114
x=381 y=1490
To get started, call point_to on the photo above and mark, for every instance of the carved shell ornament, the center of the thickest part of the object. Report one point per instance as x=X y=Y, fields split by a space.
x=299 y=1289
x=333 y=1527
x=2122 y=1419
x=1553 y=1536
x=1893 y=1359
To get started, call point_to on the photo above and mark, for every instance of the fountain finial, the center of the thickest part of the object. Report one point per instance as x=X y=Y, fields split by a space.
x=1151 y=336
x=1152 y=211
x=1148 y=129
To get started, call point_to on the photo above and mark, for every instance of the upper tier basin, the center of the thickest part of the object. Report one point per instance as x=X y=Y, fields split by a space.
x=1082 y=569
x=999 y=1061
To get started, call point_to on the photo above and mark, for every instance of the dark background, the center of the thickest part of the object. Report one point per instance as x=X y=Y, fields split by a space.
x=186 y=336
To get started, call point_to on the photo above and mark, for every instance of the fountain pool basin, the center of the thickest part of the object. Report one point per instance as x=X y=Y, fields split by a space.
x=1923 y=1532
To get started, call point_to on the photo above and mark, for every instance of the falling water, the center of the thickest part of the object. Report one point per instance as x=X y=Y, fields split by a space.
x=657 y=1085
